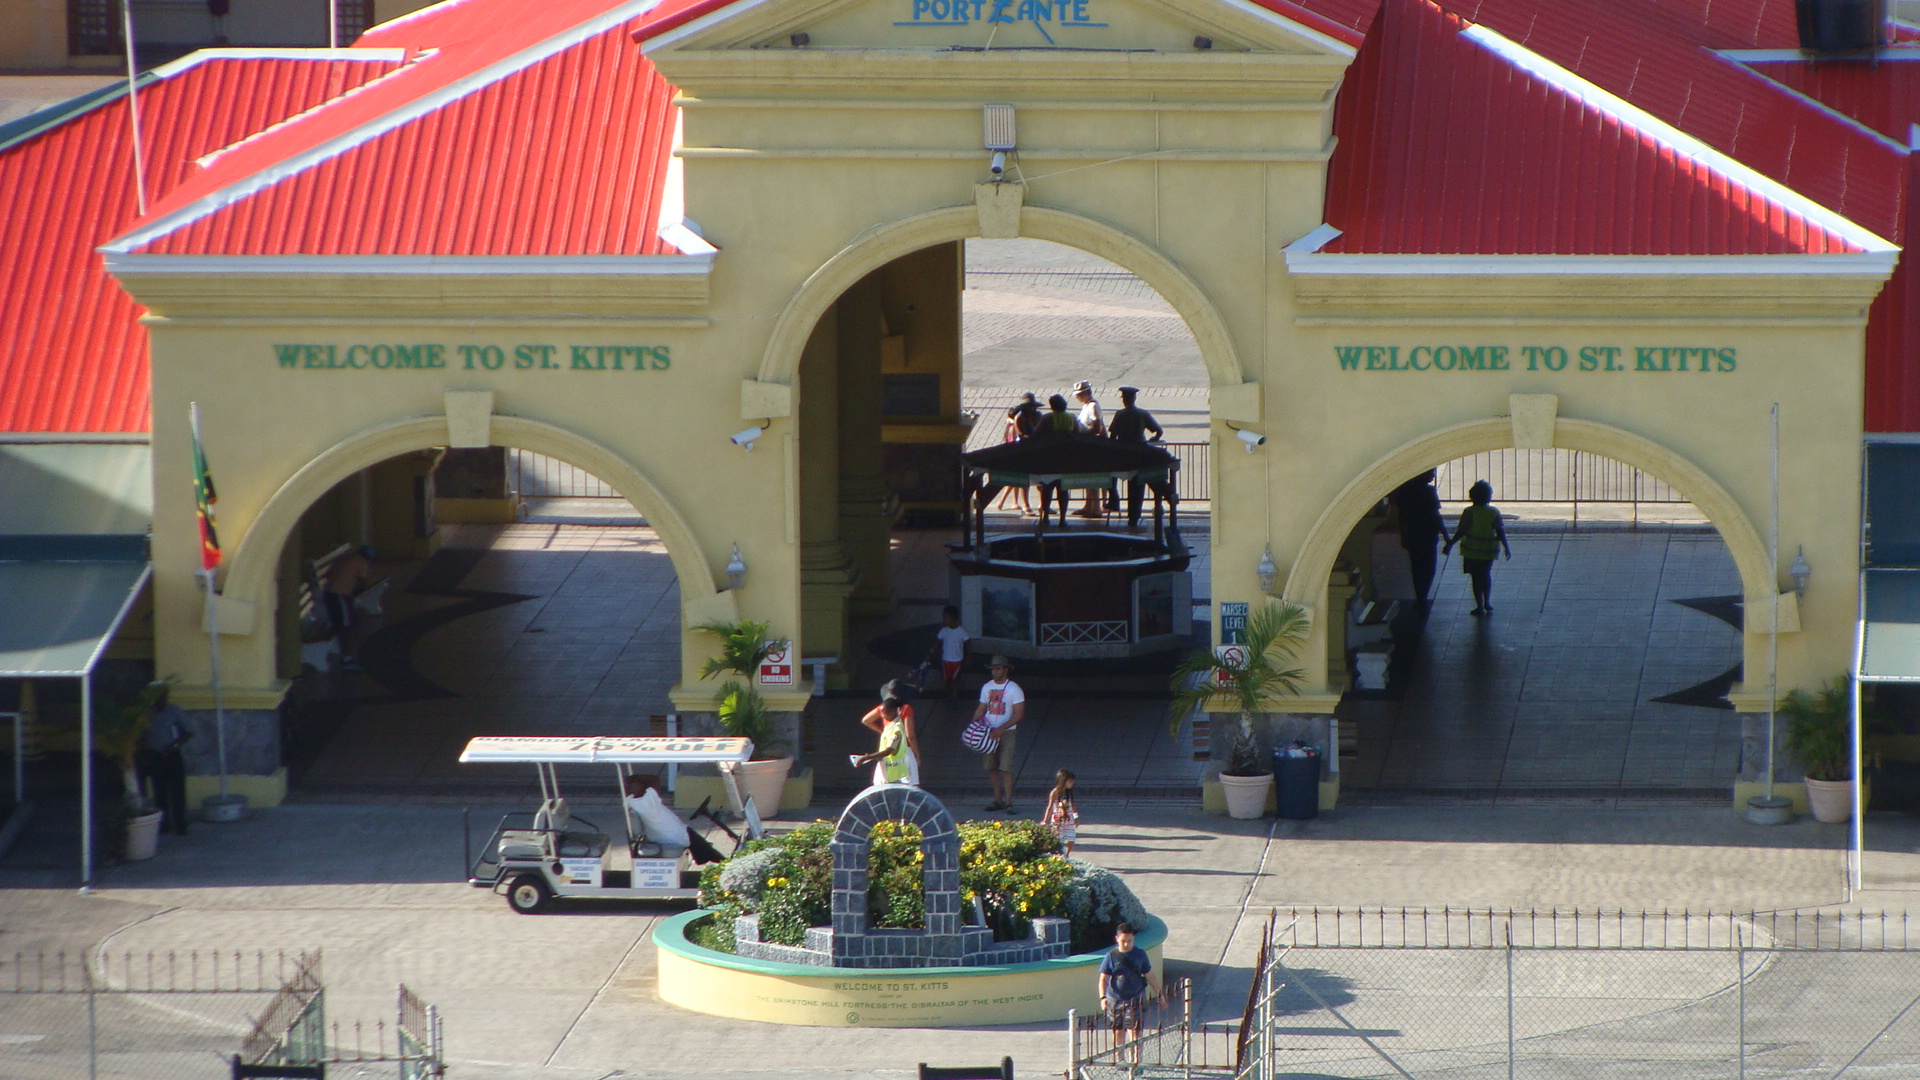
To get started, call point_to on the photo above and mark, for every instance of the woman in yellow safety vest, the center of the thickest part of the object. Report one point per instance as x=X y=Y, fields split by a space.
x=1481 y=536
x=897 y=761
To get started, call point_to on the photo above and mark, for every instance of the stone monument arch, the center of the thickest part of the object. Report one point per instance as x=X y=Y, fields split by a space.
x=855 y=944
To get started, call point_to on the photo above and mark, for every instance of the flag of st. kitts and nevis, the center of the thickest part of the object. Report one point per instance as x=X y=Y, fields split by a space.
x=204 y=496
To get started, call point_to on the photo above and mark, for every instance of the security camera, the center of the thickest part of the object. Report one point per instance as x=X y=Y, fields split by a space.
x=745 y=439
x=999 y=165
x=1252 y=439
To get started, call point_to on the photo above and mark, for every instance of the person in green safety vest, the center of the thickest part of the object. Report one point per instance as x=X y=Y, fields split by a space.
x=1481 y=536
x=897 y=761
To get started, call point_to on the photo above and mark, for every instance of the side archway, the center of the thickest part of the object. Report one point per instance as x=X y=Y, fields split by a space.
x=249 y=573
x=882 y=244
x=1307 y=580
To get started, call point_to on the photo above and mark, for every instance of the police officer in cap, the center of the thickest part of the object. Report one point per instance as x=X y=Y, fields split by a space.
x=1131 y=424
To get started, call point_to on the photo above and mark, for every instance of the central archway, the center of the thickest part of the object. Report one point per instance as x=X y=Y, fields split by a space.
x=882 y=244
x=1306 y=582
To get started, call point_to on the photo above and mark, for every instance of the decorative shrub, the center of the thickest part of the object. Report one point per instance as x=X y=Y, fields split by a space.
x=1013 y=868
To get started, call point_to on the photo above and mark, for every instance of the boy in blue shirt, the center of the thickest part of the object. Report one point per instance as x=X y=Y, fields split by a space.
x=1125 y=977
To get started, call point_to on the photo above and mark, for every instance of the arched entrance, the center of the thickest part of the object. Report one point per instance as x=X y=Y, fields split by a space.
x=875 y=568
x=481 y=618
x=883 y=244
x=1306 y=581
x=248 y=574
x=1604 y=665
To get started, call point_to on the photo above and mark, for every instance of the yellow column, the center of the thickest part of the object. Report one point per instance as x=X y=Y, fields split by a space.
x=866 y=520
x=827 y=576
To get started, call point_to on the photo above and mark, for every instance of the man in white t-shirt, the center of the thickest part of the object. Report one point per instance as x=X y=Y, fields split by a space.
x=1004 y=705
x=952 y=647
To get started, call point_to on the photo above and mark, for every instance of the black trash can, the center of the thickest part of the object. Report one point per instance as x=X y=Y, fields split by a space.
x=1296 y=778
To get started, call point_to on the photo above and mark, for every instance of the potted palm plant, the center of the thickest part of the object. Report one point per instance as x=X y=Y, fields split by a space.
x=117 y=735
x=743 y=712
x=1274 y=634
x=1819 y=737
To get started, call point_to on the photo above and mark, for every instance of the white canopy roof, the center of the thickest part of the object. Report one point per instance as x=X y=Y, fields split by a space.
x=611 y=749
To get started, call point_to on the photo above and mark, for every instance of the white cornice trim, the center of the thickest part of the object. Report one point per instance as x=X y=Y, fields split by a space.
x=694 y=26
x=1301 y=30
x=1244 y=7
x=1762 y=56
x=1322 y=235
x=1682 y=143
x=92 y=438
x=416 y=14
x=412 y=110
x=201 y=56
x=1866 y=263
x=1828 y=110
x=442 y=265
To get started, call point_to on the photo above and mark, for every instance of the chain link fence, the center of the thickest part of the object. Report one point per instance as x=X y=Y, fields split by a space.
x=194 y=1015
x=1503 y=995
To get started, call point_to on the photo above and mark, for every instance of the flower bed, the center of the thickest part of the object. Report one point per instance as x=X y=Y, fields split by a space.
x=723 y=984
x=1012 y=869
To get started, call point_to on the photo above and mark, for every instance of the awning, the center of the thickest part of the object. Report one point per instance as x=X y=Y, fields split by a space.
x=60 y=616
x=1890 y=626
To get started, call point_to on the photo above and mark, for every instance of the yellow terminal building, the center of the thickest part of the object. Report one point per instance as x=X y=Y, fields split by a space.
x=716 y=254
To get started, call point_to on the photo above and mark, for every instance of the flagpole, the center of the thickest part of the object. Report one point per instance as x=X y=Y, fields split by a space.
x=203 y=498
x=219 y=712
x=133 y=109
x=1770 y=808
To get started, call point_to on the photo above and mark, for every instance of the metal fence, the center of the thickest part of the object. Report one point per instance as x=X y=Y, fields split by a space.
x=1553 y=476
x=1499 y=995
x=1196 y=471
x=193 y=1015
x=537 y=476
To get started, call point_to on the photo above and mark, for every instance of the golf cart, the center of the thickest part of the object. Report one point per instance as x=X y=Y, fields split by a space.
x=540 y=854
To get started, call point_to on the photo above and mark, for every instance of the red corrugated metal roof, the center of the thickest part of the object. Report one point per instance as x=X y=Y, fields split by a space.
x=1662 y=59
x=73 y=357
x=1446 y=147
x=1885 y=95
x=565 y=157
x=516 y=130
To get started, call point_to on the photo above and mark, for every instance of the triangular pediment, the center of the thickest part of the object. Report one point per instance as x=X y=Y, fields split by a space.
x=947 y=26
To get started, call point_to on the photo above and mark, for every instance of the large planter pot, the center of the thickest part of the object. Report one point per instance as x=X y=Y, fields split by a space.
x=1246 y=795
x=143 y=835
x=1830 y=800
x=766 y=781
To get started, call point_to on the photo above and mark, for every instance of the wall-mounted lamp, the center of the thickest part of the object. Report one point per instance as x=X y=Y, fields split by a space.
x=736 y=571
x=799 y=40
x=745 y=439
x=1253 y=439
x=1800 y=571
x=1266 y=572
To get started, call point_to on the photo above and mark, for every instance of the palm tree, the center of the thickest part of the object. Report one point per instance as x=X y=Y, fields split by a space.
x=741 y=710
x=1273 y=636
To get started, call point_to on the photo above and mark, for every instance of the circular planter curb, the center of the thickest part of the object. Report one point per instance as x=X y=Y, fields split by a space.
x=722 y=984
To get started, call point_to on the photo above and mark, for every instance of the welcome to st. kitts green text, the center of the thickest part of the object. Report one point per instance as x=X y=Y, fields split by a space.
x=1534 y=358
x=428 y=357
